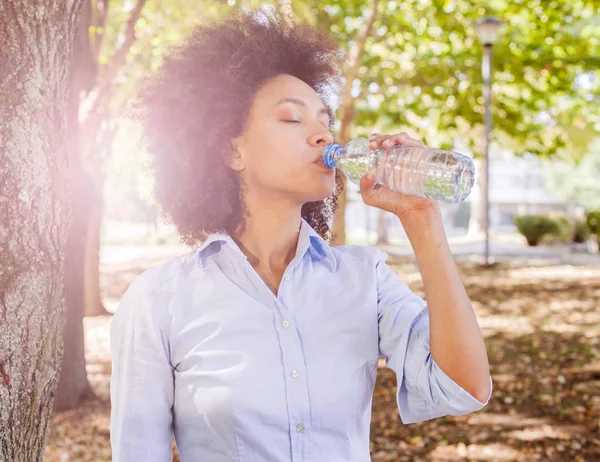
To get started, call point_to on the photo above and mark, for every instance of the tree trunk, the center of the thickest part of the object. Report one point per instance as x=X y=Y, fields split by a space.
x=93 y=141
x=35 y=58
x=93 y=299
x=73 y=384
x=383 y=229
x=89 y=251
x=82 y=279
x=347 y=115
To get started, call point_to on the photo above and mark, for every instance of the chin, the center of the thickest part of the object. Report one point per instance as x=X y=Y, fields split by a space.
x=319 y=193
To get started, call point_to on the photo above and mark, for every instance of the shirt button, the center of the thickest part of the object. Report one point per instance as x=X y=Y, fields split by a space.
x=299 y=428
x=285 y=324
x=295 y=374
x=287 y=277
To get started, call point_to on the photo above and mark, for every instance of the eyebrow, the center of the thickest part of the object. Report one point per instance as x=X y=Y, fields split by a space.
x=299 y=102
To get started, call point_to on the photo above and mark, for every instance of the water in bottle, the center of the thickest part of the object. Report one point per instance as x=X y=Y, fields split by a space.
x=444 y=176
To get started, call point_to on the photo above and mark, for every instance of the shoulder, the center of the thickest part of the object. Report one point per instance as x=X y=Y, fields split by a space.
x=359 y=255
x=158 y=281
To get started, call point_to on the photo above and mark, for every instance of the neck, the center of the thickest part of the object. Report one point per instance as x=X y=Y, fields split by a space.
x=269 y=237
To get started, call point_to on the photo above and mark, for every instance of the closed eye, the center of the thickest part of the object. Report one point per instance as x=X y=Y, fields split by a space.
x=299 y=122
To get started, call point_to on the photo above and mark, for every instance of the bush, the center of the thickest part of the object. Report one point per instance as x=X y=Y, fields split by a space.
x=593 y=222
x=582 y=232
x=564 y=232
x=533 y=227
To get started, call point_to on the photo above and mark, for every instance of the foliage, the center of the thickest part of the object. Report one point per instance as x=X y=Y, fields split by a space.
x=564 y=232
x=421 y=69
x=163 y=24
x=533 y=227
x=593 y=222
x=568 y=230
x=582 y=231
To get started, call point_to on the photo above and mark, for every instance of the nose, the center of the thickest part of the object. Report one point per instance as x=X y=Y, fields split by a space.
x=321 y=139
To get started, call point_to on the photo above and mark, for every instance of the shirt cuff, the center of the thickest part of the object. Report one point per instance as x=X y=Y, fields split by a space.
x=438 y=395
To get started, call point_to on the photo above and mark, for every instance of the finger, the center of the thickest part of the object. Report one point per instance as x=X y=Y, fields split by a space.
x=395 y=139
x=369 y=187
x=368 y=181
x=386 y=141
x=412 y=142
x=375 y=194
x=401 y=139
x=377 y=141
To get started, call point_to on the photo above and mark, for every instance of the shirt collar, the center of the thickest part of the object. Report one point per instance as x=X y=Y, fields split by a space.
x=320 y=248
x=308 y=239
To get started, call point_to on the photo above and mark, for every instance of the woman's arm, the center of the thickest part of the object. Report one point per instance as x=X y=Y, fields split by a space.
x=141 y=385
x=456 y=342
x=457 y=345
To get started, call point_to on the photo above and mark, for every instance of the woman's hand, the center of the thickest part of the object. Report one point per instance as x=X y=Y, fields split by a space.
x=376 y=195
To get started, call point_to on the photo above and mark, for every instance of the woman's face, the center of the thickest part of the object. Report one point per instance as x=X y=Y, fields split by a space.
x=279 y=154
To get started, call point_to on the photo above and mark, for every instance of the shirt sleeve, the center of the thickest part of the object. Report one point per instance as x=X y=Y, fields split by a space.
x=424 y=390
x=141 y=386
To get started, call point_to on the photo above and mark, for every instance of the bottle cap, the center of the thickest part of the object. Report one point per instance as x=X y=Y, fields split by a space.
x=329 y=155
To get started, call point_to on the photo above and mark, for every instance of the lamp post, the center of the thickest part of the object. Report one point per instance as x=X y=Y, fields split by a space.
x=488 y=30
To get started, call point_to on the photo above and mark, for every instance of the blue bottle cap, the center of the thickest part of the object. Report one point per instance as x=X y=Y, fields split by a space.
x=329 y=155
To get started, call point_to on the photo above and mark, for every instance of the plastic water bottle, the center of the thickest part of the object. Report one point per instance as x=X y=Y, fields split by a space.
x=443 y=176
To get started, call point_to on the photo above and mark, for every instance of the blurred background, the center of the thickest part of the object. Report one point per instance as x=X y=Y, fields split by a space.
x=526 y=240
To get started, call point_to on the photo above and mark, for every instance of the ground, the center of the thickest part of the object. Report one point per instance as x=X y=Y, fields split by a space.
x=542 y=329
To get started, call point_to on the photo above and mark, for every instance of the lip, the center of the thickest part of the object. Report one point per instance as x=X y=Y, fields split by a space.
x=319 y=159
x=320 y=163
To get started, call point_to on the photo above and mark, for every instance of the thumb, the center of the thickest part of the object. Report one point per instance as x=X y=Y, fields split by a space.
x=370 y=191
x=376 y=195
x=368 y=182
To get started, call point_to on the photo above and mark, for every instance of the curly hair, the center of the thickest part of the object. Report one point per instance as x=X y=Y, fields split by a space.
x=198 y=102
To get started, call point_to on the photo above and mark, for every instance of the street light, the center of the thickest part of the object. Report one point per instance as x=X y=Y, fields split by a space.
x=488 y=30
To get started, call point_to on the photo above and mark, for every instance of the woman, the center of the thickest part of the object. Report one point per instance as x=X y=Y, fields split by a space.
x=262 y=343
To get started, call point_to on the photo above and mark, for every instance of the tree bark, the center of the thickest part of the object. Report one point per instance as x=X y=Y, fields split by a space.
x=89 y=251
x=93 y=298
x=347 y=114
x=35 y=57
x=82 y=277
x=98 y=91
x=73 y=384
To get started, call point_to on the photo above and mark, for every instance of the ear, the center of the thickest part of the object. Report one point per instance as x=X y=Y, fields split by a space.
x=236 y=160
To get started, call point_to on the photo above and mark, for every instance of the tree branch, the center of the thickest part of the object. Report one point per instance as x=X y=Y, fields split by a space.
x=120 y=56
x=356 y=53
x=113 y=66
x=347 y=113
x=99 y=17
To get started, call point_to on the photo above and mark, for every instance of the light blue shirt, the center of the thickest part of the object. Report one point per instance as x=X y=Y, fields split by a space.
x=202 y=349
